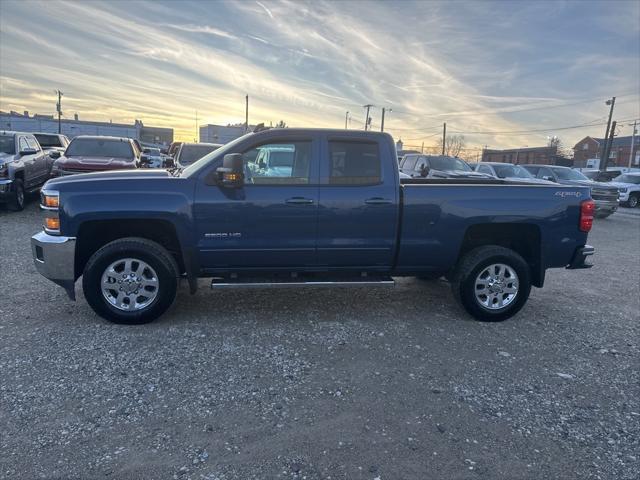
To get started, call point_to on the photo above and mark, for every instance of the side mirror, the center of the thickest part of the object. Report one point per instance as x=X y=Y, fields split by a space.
x=231 y=173
x=547 y=177
x=54 y=154
x=424 y=171
x=169 y=163
x=28 y=151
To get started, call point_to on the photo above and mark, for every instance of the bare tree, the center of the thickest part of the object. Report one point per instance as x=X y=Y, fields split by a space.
x=281 y=124
x=453 y=146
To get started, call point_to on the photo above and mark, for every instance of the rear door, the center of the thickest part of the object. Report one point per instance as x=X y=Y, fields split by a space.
x=358 y=212
x=41 y=171
x=271 y=221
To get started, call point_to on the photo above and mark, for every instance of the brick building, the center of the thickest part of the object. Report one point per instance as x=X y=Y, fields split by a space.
x=590 y=147
x=535 y=155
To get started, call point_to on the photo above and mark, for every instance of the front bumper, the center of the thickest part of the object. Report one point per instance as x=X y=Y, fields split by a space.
x=580 y=257
x=624 y=196
x=54 y=257
x=5 y=189
x=606 y=205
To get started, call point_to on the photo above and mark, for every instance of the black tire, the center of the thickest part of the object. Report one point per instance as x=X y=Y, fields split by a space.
x=150 y=252
x=633 y=201
x=16 y=201
x=472 y=264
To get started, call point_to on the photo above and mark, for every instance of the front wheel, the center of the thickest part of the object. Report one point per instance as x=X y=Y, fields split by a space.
x=130 y=281
x=491 y=283
x=16 y=202
x=633 y=201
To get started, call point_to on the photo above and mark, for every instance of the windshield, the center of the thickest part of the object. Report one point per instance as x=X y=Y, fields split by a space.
x=448 y=163
x=628 y=179
x=95 y=147
x=511 y=171
x=568 y=174
x=48 y=140
x=7 y=144
x=227 y=148
x=190 y=153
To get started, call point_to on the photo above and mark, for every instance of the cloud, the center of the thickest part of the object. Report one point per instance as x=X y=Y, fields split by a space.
x=308 y=63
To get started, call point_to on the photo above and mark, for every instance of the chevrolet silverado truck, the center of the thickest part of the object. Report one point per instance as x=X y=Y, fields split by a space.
x=340 y=216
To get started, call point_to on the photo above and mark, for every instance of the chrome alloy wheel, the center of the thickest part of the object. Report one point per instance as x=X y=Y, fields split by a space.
x=496 y=286
x=129 y=284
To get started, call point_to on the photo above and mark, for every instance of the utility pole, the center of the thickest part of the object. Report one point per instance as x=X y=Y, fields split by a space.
x=246 y=113
x=59 y=110
x=422 y=147
x=346 y=119
x=382 y=121
x=366 y=118
x=197 y=136
x=608 y=143
x=633 y=137
x=603 y=160
x=444 y=136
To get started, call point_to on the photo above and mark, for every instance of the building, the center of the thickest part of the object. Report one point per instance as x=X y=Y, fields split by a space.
x=590 y=147
x=222 y=133
x=528 y=155
x=23 y=122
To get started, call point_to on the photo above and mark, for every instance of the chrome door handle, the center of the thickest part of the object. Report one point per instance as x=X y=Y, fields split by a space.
x=377 y=201
x=299 y=201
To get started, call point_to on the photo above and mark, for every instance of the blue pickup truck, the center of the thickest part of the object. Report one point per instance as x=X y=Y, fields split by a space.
x=338 y=215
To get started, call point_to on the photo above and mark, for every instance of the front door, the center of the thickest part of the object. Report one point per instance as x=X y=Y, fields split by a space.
x=359 y=206
x=271 y=221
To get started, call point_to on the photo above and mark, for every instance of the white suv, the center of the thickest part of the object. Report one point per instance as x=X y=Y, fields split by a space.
x=629 y=187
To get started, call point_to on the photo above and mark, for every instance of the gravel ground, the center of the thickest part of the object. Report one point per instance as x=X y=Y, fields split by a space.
x=355 y=384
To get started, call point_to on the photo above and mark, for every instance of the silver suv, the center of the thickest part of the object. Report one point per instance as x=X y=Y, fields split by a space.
x=23 y=167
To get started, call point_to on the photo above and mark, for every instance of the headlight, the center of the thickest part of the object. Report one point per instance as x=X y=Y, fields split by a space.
x=4 y=170
x=50 y=203
x=622 y=190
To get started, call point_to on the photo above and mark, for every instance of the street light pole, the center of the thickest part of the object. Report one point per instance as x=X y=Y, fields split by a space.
x=603 y=159
x=346 y=119
x=59 y=109
x=633 y=137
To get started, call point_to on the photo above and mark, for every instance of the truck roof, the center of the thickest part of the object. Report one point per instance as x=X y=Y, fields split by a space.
x=103 y=137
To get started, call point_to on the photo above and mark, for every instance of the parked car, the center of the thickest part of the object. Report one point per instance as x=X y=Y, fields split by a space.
x=508 y=171
x=151 y=158
x=52 y=141
x=341 y=216
x=23 y=167
x=437 y=166
x=604 y=195
x=188 y=153
x=628 y=184
x=93 y=154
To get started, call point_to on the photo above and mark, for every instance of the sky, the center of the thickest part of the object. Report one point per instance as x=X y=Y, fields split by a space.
x=493 y=71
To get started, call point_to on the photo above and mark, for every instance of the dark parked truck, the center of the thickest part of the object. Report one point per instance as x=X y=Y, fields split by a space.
x=338 y=215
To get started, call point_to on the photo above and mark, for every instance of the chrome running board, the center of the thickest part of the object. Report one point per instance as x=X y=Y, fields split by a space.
x=293 y=283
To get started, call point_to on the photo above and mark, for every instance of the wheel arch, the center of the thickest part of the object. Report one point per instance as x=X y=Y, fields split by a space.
x=523 y=238
x=94 y=234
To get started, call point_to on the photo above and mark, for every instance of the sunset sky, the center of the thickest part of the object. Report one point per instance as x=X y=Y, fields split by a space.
x=479 y=66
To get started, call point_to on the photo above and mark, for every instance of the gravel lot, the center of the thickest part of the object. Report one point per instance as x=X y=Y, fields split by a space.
x=355 y=384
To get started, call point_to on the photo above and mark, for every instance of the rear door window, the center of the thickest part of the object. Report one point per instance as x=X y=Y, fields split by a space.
x=354 y=163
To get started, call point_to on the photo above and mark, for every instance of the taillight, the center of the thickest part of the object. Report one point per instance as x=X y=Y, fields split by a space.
x=587 y=210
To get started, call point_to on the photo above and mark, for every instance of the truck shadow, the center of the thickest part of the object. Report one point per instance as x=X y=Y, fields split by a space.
x=410 y=299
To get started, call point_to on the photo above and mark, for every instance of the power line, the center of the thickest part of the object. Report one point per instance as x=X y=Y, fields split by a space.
x=518 y=132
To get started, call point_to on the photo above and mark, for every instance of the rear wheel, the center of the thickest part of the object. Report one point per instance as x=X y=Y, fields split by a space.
x=130 y=281
x=491 y=283
x=16 y=202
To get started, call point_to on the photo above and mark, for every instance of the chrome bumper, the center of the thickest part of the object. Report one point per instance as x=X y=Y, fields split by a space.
x=54 y=257
x=579 y=259
x=5 y=186
x=609 y=205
